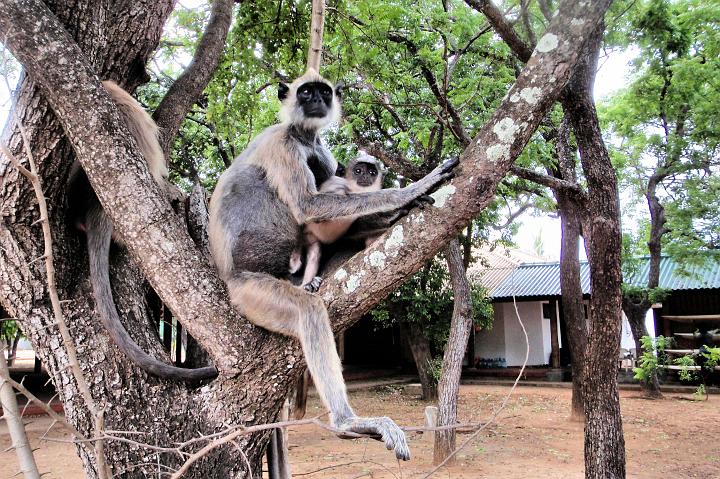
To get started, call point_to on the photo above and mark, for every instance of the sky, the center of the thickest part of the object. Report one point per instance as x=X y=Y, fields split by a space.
x=612 y=75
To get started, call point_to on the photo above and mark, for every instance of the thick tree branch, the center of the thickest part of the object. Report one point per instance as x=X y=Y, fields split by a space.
x=567 y=187
x=503 y=28
x=187 y=88
x=371 y=274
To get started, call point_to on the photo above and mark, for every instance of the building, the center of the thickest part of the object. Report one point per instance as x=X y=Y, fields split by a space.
x=531 y=290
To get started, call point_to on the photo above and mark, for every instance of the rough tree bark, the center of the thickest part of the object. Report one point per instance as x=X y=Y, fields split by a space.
x=571 y=209
x=604 y=440
x=114 y=41
x=422 y=355
x=460 y=326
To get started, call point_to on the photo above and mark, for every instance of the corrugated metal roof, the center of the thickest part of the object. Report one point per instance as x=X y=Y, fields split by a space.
x=537 y=279
x=674 y=276
x=495 y=265
x=543 y=279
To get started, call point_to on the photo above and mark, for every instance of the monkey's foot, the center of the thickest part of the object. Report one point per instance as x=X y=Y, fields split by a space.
x=384 y=428
x=313 y=285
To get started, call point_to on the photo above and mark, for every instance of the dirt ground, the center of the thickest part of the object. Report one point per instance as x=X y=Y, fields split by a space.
x=532 y=438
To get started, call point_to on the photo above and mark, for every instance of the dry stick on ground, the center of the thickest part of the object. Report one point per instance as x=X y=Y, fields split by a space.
x=73 y=363
x=13 y=418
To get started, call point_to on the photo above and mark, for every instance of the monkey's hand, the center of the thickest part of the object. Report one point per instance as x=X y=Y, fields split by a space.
x=434 y=179
x=314 y=285
x=383 y=428
x=421 y=201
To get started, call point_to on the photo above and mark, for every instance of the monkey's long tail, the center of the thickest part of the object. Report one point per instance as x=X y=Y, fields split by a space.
x=99 y=233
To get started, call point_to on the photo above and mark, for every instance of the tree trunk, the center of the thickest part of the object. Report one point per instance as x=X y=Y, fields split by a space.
x=604 y=440
x=460 y=326
x=420 y=348
x=570 y=287
x=635 y=313
x=12 y=349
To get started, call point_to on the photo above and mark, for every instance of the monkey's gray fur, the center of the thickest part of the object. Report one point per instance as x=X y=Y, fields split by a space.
x=257 y=214
x=88 y=215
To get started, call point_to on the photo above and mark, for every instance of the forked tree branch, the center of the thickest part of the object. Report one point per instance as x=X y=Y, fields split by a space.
x=503 y=28
x=568 y=187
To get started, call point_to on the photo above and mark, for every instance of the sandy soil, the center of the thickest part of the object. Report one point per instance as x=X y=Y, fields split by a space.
x=532 y=438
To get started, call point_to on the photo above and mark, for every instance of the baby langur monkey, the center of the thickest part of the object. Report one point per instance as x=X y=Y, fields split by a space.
x=363 y=174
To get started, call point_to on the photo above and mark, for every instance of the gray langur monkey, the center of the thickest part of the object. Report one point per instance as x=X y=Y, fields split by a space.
x=85 y=211
x=364 y=173
x=257 y=214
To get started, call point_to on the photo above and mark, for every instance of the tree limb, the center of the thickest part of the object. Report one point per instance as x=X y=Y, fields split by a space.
x=187 y=88
x=503 y=28
x=316 y=35
x=546 y=180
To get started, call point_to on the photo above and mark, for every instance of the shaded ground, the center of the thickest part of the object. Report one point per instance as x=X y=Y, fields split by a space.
x=532 y=438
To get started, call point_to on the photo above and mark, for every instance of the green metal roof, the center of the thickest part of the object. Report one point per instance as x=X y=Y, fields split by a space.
x=674 y=276
x=543 y=279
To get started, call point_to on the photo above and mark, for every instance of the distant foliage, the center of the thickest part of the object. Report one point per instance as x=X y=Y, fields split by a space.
x=652 y=358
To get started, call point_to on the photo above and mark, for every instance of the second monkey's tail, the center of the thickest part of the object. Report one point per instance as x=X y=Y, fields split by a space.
x=99 y=232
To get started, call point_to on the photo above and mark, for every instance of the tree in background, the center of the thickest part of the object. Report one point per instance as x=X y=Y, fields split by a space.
x=665 y=137
x=422 y=307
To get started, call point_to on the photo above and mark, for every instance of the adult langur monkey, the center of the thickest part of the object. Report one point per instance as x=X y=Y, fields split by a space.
x=85 y=211
x=363 y=174
x=257 y=214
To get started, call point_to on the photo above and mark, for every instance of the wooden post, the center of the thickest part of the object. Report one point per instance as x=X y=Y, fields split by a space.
x=431 y=415
x=316 y=35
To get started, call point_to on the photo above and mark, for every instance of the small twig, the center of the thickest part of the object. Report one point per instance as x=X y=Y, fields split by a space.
x=34 y=178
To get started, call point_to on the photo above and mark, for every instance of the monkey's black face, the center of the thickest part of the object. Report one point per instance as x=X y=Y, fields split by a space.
x=365 y=174
x=315 y=98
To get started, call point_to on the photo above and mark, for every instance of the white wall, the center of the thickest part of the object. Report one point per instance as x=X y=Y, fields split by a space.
x=626 y=337
x=531 y=315
x=547 y=341
x=490 y=343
